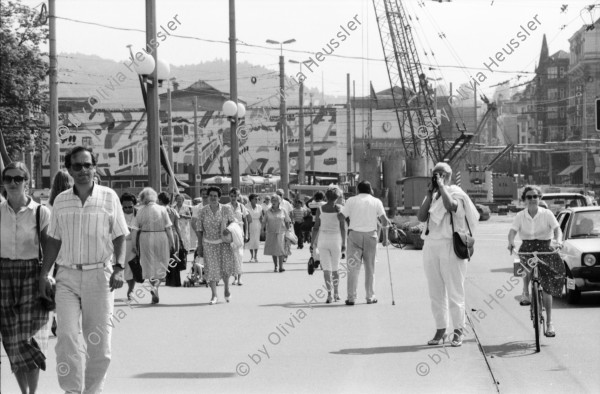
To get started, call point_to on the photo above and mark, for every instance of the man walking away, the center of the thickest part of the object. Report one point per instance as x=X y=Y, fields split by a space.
x=89 y=227
x=363 y=212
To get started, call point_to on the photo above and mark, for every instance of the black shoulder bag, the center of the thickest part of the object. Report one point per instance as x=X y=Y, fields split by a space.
x=464 y=243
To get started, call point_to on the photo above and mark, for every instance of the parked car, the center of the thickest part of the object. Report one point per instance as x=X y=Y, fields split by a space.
x=581 y=250
x=484 y=212
x=559 y=201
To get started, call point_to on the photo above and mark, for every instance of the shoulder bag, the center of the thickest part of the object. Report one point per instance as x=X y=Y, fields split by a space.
x=464 y=244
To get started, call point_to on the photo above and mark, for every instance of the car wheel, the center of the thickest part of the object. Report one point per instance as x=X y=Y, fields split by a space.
x=573 y=296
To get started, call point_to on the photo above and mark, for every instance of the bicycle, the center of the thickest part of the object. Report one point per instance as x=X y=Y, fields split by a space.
x=397 y=236
x=536 y=308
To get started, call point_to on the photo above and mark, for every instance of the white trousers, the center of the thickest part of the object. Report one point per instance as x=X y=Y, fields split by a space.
x=84 y=295
x=445 y=275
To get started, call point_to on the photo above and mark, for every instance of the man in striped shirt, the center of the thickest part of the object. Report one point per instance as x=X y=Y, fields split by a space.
x=89 y=227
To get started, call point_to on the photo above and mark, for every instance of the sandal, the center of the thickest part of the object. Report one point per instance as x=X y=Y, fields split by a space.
x=550 y=331
x=436 y=341
x=213 y=301
x=525 y=300
x=457 y=339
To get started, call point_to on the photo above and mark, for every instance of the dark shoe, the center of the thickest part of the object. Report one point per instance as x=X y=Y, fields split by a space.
x=349 y=302
x=329 y=299
x=281 y=270
x=372 y=301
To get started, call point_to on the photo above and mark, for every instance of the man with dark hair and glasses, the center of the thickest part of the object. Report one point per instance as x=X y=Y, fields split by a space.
x=535 y=226
x=89 y=228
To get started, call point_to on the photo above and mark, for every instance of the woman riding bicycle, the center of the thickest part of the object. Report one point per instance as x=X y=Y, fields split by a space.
x=535 y=226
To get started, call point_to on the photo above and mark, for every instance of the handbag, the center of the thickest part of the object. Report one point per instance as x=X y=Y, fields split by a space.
x=47 y=305
x=291 y=237
x=182 y=265
x=464 y=244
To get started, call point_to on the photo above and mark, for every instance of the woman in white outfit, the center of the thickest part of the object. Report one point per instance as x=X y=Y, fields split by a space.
x=445 y=272
x=256 y=214
x=329 y=236
x=242 y=219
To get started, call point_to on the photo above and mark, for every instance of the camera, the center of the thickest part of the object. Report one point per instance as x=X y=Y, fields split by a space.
x=434 y=183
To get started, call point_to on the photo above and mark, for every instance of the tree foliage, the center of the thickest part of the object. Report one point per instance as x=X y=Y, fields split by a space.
x=23 y=70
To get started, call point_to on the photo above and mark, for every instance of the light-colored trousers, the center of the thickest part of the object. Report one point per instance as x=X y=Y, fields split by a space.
x=362 y=247
x=445 y=274
x=83 y=295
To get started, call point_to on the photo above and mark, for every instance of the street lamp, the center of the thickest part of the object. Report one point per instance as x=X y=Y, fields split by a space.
x=152 y=73
x=283 y=156
x=301 y=132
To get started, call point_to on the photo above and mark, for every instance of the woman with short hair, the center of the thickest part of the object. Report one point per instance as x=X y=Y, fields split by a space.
x=256 y=213
x=24 y=322
x=276 y=222
x=329 y=236
x=446 y=208
x=218 y=257
x=535 y=226
x=173 y=276
x=156 y=239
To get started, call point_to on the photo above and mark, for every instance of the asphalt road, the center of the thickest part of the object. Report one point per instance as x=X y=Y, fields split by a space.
x=277 y=335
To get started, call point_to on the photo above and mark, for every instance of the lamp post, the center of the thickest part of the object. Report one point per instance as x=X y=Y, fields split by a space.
x=172 y=183
x=152 y=73
x=283 y=156
x=301 y=150
x=234 y=111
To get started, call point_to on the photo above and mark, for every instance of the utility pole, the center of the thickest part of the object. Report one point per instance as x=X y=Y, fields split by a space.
x=353 y=129
x=312 y=141
x=54 y=141
x=301 y=150
x=196 y=150
x=172 y=183
x=153 y=104
x=348 y=128
x=283 y=156
x=235 y=151
x=584 y=172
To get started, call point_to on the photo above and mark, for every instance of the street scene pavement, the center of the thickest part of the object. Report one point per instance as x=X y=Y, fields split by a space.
x=278 y=335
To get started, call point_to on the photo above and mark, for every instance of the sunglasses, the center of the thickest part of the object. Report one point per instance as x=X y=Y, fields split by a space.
x=17 y=179
x=531 y=197
x=79 y=166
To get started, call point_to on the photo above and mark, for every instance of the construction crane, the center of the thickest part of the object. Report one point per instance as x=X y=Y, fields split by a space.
x=409 y=87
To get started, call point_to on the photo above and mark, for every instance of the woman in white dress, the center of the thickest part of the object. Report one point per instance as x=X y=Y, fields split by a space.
x=156 y=239
x=256 y=214
x=242 y=219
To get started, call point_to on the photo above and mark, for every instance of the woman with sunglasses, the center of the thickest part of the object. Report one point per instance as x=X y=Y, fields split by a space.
x=535 y=226
x=24 y=323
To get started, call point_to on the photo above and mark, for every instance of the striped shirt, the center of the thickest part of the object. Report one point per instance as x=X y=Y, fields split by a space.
x=298 y=214
x=18 y=231
x=87 y=230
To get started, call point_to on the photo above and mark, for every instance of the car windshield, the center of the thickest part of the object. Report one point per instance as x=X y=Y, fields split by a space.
x=586 y=224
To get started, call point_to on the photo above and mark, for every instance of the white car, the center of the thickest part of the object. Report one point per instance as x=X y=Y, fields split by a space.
x=558 y=201
x=581 y=249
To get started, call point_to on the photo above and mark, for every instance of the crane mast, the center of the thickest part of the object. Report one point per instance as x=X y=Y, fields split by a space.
x=410 y=91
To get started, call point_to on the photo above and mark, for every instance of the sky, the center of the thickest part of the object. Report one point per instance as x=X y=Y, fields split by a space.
x=454 y=38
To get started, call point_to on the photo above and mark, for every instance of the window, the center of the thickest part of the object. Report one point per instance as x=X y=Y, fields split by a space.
x=561 y=72
x=561 y=93
x=561 y=112
x=552 y=72
x=552 y=93
x=552 y=112
x=86 y=141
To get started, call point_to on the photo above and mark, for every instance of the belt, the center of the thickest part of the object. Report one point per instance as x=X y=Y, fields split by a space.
x=213 y=241
x=84 y=267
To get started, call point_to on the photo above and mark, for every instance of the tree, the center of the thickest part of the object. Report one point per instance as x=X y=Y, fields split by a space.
x=23 y=69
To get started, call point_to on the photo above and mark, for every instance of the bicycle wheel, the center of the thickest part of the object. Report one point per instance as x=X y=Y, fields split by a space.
x=400 y=240
x=536 y=306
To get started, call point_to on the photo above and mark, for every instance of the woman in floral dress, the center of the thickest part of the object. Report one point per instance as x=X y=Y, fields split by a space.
x=218 y=256
x=243 y=219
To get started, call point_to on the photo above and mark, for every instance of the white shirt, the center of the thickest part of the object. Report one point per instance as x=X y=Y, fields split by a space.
x=196 y=215
x=539 y=227
x=286 y=206
x=364 y=211
x=18 y=237
x=87 y=230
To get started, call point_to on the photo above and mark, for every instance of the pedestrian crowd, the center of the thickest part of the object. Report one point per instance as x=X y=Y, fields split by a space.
x=97 y=241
